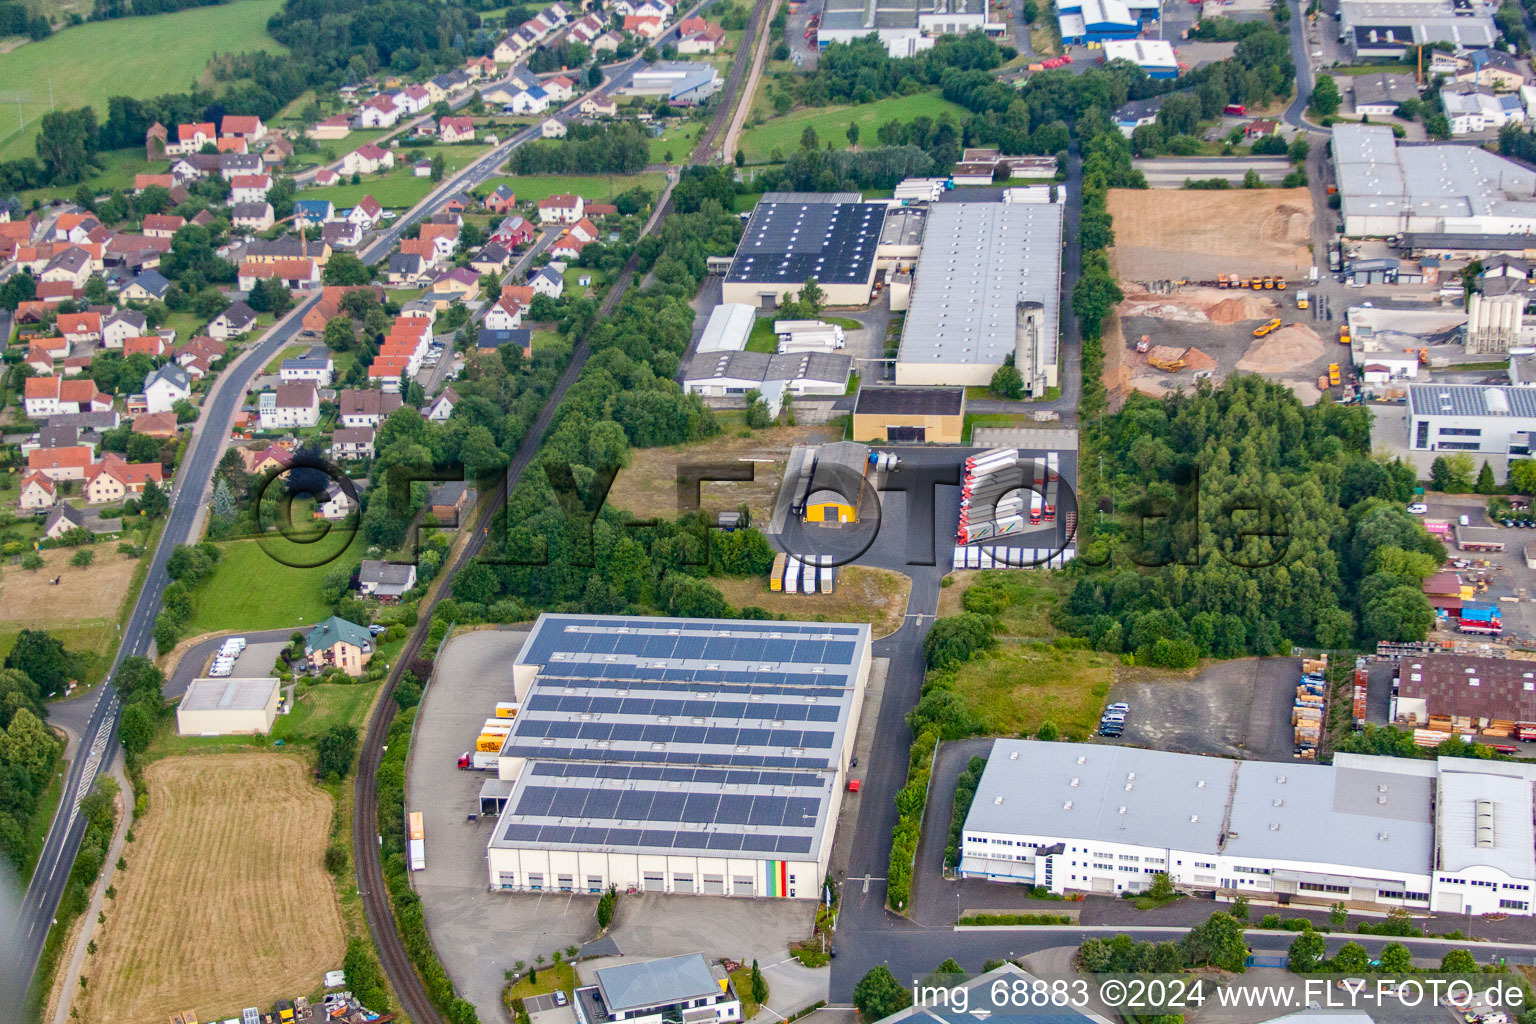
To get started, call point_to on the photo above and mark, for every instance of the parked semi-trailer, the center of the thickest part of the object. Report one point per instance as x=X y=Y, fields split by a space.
x=415 y=841
x=1036 y=508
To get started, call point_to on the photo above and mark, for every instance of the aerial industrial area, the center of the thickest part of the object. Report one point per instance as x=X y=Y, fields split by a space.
x=625 y=511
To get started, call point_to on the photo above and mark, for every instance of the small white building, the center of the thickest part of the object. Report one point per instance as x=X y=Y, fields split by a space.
x=318 y=369
x=730 y=325
x=552 y=128
x=228 y=707
x=289 y=405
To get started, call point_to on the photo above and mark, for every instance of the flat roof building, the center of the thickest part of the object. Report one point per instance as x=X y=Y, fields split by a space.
x=727 y=374
x=1377 y=830
x=1438 y=189
x=682 y=82
x=1380 y=95
x=677 y=755
x=729 y=326
x=683 y=988
x=787 y=243
x=987 y=286
x=1370 y=28
x=1483 y=418
x=227 y=707
x=907 y=415
x=904 y=27
x=1154 y=56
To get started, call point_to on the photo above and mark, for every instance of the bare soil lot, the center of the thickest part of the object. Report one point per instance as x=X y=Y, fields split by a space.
x=225 y=902
x=1196 y=235
x=1230 y=708
x=648 y=488
x=96 y=592
x=862 y=594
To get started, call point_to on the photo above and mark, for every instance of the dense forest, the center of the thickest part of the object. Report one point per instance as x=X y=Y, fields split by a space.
x=1244 y=522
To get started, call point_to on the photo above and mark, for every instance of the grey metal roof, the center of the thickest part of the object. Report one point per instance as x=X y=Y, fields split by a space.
x=251 y=694
x=1442 y=187
x=376 y=571
x=879 y=401
x=664 y=982
x=786 y=243
x=831 y=367
x=1384 y=88
x=1110 y=793
x=1474 y=400
x=1509 y=847
x=979 y=260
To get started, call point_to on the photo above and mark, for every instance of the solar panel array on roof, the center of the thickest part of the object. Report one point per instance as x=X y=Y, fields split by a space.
x=725 y=734
x=786 y=243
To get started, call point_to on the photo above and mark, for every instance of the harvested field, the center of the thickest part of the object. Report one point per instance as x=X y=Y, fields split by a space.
x=95 y=592
x=225 y=902
x=862 y=594
x=647 y=487
x=1282 y=351
x=1196 y=235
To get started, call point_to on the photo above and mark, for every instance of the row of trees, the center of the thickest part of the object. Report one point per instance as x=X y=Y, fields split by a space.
x=619 y=148
x=28 y=751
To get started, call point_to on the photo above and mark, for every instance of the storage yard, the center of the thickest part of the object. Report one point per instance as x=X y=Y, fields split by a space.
x=1198 y=232
x=225 y=902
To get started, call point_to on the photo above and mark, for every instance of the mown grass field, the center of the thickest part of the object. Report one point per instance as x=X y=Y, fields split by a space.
x=831 y=124
x=600 y=188
x=250 y=589
x=399 y=189
x=225 y=902
x=148 y=56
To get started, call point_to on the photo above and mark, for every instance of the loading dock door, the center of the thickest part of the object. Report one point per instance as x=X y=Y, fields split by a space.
x=654 y=883
x=714 y=884
x=898 y=435
x=741 y=885
x=1447 y=903
x=682 y=883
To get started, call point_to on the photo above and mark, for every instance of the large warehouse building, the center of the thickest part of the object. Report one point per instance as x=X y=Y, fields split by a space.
x=786 y=243
x=1479 y=691
x=904 y=27
x=228 y=707
x=1489 y=419
x=1434 y=190
x=678 y=755
x=1453 y=835
x=987 y=286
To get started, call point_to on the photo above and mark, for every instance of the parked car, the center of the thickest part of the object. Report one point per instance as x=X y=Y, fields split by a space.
x=1418 y=508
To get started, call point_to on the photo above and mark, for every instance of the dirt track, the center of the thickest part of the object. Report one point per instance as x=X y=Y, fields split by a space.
x=1195 y=235
x=225 y=902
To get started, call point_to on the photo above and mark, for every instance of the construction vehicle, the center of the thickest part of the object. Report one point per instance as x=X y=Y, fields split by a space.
x=1322 y=382
x=1265 y=328
x=284 y=1011
x=1166 y=358
x=1333 y=374
x=1280 y=283
x=1258 y=284
x=1221 y=280
x=1344 y=334
x=1303 y=300
x=1423 y=357
x=1144 y=344
x=1269 y=282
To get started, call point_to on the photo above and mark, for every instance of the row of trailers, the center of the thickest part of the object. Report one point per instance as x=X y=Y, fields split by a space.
x=792 y=575
x=1004 y=491
x=996 y=556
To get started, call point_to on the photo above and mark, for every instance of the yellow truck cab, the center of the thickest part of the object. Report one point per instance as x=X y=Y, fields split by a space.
x=284 y=1010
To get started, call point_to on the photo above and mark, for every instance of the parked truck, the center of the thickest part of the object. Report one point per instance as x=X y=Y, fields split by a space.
x=776 y=574
x=416 y=841
x=1266 y=327
x=1036 y=508
x=1333 y=375
x=1303 y=300
x=479 y=760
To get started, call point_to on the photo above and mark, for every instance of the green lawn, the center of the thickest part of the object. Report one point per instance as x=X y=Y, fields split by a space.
x=602 y=188
x=560 y=976
x=118 y=167
x=398 y=189
x=291 y=352
x=678 y=140
x=251 y=590
x=146 y=57
x=322 y=706
x=762 y=338
x=831 y=124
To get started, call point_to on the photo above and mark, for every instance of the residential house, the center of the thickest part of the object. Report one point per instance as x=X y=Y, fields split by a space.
x=1471 y=109
x=37 y=492
x=491 y=259
x=441 y=407
x=552 y=128
x=198 y=356
x=38 y=360
x=405 y=269
x=317 y=368
x=513 y=231
x=479 y=67
x=296 y=274
x=345 y=235
x=144 y=181
x=352 y=443
x=530 y=101
x=646 y=28
x=70 y=462
x=337 y=643
x=64 y=517
x=120 y=325
x=79 y=328
x=387 y=581
x=608 y=42
x=559 y=88
x=160 y=425
x=284 y=247
x=337 y=502
x=366 y=213
x=232 y=165
x=448 y=500
x=332 y=128
x=500 y=200
x=114 y=478
x=415 y=99
x=152 y=345
x=560 y=209
x=313 y=211
x=1490 y=67
x=162 y=225
x=509 y=50
x=505 y=315
x=289 y=405
x=378 y=112
x=235 y=321
x=48 y=396
x=248 y=188
x=252 y=216
x=325 y=177
x=461 y=283
x=191 y=138
x=1260 y=128
x=275 y=151
x=232 y=144
x=456 y=129
x=166 y=386
x=695 y=35
x=272 y=459
x=549 y=281
x=587 y=29
x=246 y=126
x=367 y=159
x=567 y=247
x=487 y=340
x=329 y=306
x=146 y=286
x=72 y=267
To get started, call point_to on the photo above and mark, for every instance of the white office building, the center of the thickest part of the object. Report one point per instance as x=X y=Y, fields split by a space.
x=1486 y=419
x=1453 y=835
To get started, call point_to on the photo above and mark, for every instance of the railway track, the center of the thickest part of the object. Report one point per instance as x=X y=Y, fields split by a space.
x=379 y=912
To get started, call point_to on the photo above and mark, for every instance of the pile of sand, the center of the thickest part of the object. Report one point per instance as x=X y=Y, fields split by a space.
x=1160 y=307
x=1283 y=351
x=1196 y=360
x=1200 y=305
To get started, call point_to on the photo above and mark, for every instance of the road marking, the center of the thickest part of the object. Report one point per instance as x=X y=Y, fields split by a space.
x=866 y=880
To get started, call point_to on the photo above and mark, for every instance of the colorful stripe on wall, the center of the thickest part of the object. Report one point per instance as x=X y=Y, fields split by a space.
x=783 y=878
x=778 y=878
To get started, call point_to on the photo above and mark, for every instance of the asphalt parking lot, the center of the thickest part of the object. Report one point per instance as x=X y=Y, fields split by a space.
x=1511 y=585
x=479 y=933
x=1233 y=709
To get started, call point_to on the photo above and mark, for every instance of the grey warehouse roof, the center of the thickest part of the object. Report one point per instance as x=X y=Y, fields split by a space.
x=674 y=979
x=1471 y=400
x=909 y=401
x=1379 y=177
x=786 y=243
x=760 y=366
x=251 y=694
x=979 y=260
x=657 y=734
